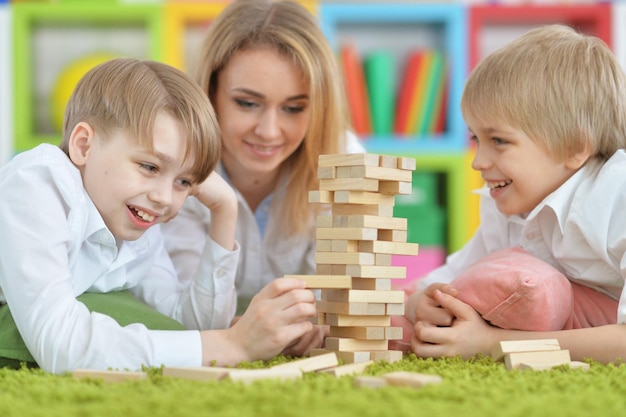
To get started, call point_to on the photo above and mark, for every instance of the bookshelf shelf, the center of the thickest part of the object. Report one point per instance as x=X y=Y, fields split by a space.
x=52 y=36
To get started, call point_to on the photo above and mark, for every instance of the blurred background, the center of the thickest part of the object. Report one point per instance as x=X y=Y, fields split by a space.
x=404 y=64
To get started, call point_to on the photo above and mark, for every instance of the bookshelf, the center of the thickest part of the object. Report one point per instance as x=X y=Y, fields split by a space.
x=399 y=30
x=6 y=114
x=51 y=36
x=38 y=40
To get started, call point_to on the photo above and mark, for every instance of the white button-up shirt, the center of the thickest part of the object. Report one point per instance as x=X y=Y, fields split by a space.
x=580 y=229
x=264 y=256
x=54 y=246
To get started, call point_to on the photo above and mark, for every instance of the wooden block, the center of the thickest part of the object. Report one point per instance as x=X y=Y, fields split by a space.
x=382 y=259
x=359 y=332
x=407 y=163
x=393 y=333
x=325 y=270
x=389 y=356
x=343 y=320
x=372 y=284
x=312 y=364
x=324 y=197
x=551 y=357
x=363 y=296
x=394 y=309
x=343 y=245
x=355 y=309
x=374 y=172
x=392 y=235
x=394 y=248
x=363 y=197
x=348 y=233
x=324 y=221
x=345 y=258
x=338 y=160
x=326 y=172
x=351 y=345
x=372 y=271
x=395 y=187
x=197 y=374
x=547 y=366
x=388 y=161
x=349 y=369
x=367 y=381
x=250 y=375
x=349 y=184
x=512 y=346
x=108 y=376
x=345 y=357
x=325 y=281
x=362 y=209
x=374 y=222
x=323 y=245
x=411 y=379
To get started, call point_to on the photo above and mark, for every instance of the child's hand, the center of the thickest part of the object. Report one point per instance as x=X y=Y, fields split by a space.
x=422 y=306
x=220 y=198
x=276 y=317
x=467 y=335
x=311 y=340
x=215 y=193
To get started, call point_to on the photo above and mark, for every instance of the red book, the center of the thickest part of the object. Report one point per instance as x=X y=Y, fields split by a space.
x=356 y=90
x=406 y=93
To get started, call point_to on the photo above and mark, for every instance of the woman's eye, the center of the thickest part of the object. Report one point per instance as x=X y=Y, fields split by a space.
x=294 y=109
x=246 y=104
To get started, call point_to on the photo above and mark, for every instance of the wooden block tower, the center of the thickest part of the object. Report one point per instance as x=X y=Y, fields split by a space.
x=354 y=248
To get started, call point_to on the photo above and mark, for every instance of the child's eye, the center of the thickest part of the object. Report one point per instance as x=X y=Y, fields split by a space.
x=148 y=167
x=498 y=141
x=185 y=183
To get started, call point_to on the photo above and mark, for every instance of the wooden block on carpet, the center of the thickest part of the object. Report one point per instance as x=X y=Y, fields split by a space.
x=198 y=374
x=311 y=364
x=108 y=376
x=513 y=346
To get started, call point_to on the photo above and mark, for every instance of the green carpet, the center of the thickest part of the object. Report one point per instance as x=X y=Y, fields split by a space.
x=477 y=387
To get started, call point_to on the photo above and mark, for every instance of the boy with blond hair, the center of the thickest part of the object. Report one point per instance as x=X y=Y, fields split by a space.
x=81 y=220
x=547 y=113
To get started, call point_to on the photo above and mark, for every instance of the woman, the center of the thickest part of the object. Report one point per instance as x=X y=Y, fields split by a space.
x=278 y=94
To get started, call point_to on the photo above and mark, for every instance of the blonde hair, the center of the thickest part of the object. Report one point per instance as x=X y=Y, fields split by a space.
x=291 y=30
x=565 y=90
x=128 y=94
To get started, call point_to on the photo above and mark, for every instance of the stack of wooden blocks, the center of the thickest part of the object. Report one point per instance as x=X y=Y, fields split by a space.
x=540 y=354
x=355 y=244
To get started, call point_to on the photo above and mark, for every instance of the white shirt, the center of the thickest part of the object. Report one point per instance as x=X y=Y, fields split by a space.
x=54 y=246
x=264 y=257
x=580 y=229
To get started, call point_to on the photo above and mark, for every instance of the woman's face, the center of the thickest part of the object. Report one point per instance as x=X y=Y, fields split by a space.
x=262 y=103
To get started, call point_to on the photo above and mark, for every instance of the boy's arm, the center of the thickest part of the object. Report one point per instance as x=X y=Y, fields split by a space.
x=220 y=199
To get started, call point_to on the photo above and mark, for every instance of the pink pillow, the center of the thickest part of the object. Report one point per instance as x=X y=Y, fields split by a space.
x=512 y=289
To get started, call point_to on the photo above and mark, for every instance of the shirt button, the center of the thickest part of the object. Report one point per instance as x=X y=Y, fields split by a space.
x=530 y=236
x=220 y=273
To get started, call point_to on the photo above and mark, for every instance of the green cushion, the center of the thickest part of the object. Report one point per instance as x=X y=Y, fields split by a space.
x=122 y=306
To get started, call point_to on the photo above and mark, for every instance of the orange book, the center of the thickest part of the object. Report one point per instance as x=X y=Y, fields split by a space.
x=405 y=93
x=356 y=89
x=418 y=99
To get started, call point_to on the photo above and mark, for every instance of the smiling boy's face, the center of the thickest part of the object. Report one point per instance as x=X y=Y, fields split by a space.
x=519 y=172
x=133 y=187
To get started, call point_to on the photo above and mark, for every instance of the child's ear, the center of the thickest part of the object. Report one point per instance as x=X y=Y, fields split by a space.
x=80 y=143
x=578 y=159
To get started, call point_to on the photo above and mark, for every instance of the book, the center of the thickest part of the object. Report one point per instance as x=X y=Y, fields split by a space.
x=405 y=92
x=380 y=80
x=356 y=89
